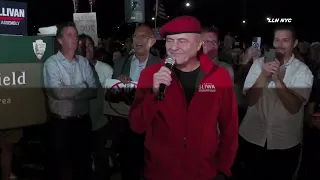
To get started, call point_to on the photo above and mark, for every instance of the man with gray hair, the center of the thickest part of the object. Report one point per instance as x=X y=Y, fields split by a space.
x=70 y=85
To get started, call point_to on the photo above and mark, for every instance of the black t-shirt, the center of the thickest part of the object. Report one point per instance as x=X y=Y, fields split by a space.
x=188 y=81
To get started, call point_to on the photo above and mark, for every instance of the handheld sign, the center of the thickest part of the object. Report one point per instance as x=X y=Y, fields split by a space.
x=119 y=97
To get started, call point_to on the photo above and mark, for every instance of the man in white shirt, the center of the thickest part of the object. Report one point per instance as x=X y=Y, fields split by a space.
x=276 y=92
x=102 y=72
x=70 y=85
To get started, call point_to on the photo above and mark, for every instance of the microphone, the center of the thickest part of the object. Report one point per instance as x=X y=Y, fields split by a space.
x=169 y=62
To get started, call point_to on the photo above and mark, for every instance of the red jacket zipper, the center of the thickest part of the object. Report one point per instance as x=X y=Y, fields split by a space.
x=185 y=140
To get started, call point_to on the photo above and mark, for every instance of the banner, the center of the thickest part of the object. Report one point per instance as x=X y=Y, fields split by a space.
x=13 y=18
x=119 y=97
x=86 y=23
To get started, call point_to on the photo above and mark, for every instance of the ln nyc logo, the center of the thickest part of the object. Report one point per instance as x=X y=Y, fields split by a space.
x=279 y=20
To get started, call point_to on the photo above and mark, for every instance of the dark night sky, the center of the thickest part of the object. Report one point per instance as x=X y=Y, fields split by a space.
x=225 y=14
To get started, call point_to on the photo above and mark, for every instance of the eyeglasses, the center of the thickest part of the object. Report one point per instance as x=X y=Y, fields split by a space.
x=141 y=37
x=210 y=43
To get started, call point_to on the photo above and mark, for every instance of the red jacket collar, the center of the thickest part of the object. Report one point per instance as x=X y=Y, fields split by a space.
x=206 y=63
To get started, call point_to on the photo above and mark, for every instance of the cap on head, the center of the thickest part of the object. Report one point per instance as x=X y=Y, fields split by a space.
x=182 y=24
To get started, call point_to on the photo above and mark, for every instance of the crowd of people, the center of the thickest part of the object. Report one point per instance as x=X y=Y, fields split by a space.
x=227 y=113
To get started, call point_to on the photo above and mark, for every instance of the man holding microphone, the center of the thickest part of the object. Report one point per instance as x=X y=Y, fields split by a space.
x=182 y=141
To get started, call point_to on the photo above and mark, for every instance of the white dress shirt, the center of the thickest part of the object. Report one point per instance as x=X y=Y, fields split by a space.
x=67 y=93
x=104 y=72
x=136 y=68
x=268 y=121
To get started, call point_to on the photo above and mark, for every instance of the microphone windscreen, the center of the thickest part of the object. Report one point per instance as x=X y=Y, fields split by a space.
x=170 y=60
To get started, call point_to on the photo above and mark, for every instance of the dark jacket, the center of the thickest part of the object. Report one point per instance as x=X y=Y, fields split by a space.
x=122 y=66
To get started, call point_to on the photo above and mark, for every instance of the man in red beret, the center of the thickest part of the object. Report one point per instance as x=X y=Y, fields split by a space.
x=182 y=141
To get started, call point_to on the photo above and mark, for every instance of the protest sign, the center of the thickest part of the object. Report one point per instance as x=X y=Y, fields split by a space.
x=86 y=23
x=119 y=97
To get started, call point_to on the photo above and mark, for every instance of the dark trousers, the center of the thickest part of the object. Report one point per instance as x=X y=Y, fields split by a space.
x=69 y=148
x=131 y=152
x=132 y=156
x=309 y=167
x=102 y=170
x=263 y=164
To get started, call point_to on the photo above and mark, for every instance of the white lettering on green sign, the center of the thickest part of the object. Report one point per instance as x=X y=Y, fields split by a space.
x=16 y=78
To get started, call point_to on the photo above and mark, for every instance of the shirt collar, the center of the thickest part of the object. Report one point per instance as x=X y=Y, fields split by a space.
x=62 y=58
x=134 y=57
x=290 y=60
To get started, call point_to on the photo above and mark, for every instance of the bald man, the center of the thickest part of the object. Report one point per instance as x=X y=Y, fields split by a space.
x=129 y=69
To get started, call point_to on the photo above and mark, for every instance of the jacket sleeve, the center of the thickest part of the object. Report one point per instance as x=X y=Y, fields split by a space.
x=228 y=125
x=144 y=107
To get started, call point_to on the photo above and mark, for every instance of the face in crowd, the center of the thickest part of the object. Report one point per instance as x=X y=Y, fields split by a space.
x=69 y=38
x=116 y=55
x=210 y=44
x=228 y=41
x=143 y=40
x=86 y=47
x=284 y=42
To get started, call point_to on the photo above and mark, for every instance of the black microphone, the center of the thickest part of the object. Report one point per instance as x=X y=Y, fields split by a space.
x=169 y=62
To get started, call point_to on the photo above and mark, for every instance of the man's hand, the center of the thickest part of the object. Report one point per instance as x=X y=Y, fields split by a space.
x=124 y=78
x=163 y=76
x=279 y=73
x=270 y=68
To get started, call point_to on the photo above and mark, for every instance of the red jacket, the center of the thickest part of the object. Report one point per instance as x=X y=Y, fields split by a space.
x=184 y=143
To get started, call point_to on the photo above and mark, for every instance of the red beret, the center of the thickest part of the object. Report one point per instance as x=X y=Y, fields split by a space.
x=182 y=24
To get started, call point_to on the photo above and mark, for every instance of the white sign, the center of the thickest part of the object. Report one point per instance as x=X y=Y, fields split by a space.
x=86 y=23
x=119 y=97
x=279 y=20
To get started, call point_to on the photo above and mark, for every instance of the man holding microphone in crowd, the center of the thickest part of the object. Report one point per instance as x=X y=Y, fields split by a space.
x=182 y=141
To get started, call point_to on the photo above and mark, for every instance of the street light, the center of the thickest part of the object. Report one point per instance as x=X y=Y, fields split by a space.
x=152 y=18
x=188 y=4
